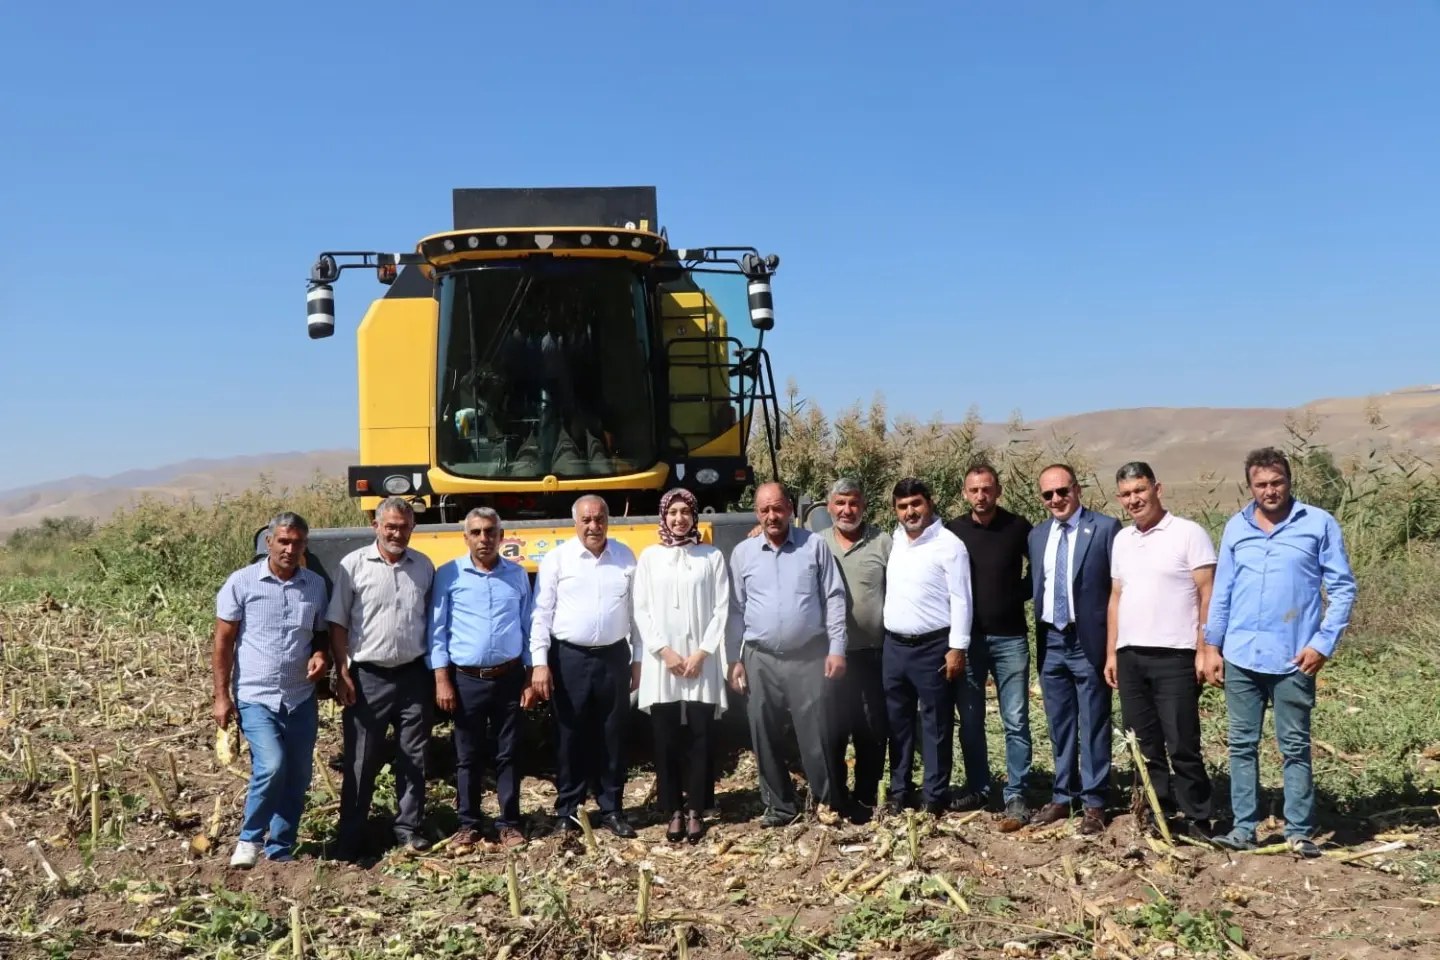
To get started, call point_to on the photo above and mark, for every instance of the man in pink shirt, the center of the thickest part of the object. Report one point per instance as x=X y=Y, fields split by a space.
x=1162 y=570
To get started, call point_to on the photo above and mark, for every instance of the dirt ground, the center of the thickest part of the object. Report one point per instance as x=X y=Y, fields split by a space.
x=155 y=880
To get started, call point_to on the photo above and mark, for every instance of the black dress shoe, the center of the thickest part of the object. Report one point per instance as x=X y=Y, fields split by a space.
x=936 y=808
x=565 y=826
x=415 y=841
x=675 y=832
x=694 y=828
x=618 y=825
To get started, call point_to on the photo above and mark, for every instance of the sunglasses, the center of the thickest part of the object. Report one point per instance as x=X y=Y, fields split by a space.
x=1061 y=492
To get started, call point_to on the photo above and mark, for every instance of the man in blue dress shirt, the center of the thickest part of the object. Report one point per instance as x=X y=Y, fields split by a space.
x=479 y=649
x=1267 y=639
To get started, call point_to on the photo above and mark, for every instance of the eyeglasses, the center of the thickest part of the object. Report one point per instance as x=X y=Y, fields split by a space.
x=1061 y=492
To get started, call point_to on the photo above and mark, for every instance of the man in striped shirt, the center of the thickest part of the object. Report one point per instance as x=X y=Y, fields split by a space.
x=269 y=651
x=378 y=612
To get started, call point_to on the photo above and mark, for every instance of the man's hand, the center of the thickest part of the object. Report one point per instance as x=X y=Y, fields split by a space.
x=528 y=699
x=445 y=692
x=737 y=678
x=541 y=683
x=634 y=677
x=1214 y=666
x=224 y=709
x=344 y=688
x=954 y=664
x=673 y=661
x=693 y=663
x=1112 y=673
x=834 y=667
x=317 y=666
x=1310 y=661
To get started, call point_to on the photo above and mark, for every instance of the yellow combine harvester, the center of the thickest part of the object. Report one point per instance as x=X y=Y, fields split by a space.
x=554 y=344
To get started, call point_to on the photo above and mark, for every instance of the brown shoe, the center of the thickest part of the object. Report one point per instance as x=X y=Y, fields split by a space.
x=1093 y=821
x=1050 y=813
x=511 y=837
x=465 y=837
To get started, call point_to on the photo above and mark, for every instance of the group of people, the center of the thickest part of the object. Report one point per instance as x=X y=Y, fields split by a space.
x=851 y=635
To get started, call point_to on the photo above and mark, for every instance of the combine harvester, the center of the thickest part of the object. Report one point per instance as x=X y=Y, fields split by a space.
x=554 y=344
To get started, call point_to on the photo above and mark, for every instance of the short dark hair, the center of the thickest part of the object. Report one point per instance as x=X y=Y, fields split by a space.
x=1271 y=457
x=289 y=520
x=909 y=487
x=1135 y=470
x=983 y=467
x=1074 y=477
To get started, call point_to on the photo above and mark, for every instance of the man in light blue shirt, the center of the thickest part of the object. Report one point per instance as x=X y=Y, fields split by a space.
x=786 y=643
x=269 y=651
x=1267 y=638
x=479 y=643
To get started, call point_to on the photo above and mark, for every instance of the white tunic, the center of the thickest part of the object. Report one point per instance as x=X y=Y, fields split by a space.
x=682 y=601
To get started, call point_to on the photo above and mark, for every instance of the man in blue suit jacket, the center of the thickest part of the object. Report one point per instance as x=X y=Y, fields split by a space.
x=1070 y=558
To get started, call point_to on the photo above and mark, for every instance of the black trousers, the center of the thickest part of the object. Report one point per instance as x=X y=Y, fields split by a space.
x=915 y=680
x=682 y=755
x=864 y=721
x=487 y=719
x=592 y=698
x=1160 y=701
x=384 y=697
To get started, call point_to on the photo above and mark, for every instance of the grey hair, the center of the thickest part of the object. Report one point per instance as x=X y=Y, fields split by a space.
x=287 y=519
x=846 y=487
x=484 y=513
x=396 y=505
x=593 y=497
x=1135 y=470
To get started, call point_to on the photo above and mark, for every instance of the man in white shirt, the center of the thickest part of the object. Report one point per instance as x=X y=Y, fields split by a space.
x=927 y=631
x=584 y=658
x=377 y=617
x=1162 y=570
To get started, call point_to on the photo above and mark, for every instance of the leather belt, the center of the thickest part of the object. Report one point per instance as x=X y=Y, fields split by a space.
x=489 y=673
x=915 y=640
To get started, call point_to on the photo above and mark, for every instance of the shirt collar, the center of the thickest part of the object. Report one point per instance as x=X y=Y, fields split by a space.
x=765 y=543
x=267 y=574
x=1160 y=524
x=373 y=553
x=1297 y=510
x=929 y=533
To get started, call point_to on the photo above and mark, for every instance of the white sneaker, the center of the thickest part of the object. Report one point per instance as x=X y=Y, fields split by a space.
x=245 y=855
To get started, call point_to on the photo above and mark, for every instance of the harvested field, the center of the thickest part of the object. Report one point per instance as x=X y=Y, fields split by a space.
x=116 y=822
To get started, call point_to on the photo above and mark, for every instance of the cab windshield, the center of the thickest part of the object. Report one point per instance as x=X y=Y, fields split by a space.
x=545 y=369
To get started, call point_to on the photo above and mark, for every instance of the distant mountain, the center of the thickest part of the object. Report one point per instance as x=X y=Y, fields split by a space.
x=1192 y=449
x=98 y=497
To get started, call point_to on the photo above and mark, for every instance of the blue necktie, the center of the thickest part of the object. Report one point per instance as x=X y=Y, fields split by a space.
x=1062 y=580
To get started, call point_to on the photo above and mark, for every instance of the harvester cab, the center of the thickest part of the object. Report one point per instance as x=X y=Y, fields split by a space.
x=555 y=344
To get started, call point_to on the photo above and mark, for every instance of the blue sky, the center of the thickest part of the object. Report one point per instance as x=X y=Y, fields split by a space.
x=1043 y=207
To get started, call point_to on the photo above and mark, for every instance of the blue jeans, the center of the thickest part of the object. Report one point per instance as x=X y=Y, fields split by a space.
x=1247 y=693
x=282 y=751
x=1008 y=659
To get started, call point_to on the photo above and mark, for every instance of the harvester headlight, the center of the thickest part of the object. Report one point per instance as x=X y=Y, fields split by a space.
x=614 y=240
x=396 y=484
x=501 y=240
x=449 y=245
x=584 y=239
x=635 y=242
x=320 y=310
x=472 y=241
x=707 y=476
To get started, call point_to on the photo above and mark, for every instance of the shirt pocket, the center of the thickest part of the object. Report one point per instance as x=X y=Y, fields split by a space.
x=305 y=614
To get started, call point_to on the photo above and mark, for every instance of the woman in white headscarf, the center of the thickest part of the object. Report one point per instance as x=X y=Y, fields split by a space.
x=682 y=602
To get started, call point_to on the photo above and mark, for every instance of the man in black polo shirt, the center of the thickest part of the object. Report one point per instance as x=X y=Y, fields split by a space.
x=997 y=542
